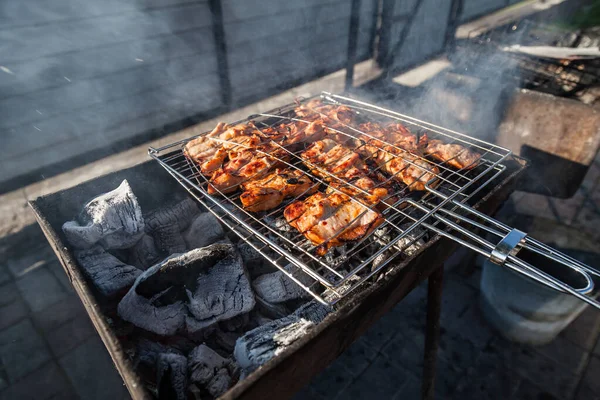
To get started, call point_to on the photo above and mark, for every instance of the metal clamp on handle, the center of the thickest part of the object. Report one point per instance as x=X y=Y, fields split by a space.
x=508 y=246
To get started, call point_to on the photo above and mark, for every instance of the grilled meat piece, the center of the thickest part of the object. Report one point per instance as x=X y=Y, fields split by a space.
x=405 y=167
x=206 y=150
x=330 y=220
x=395 y=134
x=327 y=157
x=301 y=132
x=268 y=192
x=455 y=155
x=244 y=165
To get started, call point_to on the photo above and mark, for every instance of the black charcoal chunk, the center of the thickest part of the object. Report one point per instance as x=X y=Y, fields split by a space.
x=261 y=344
x=114 y=220
x=205 y=229
x=182 y=214
x=209 y=370
x=271 y=310
x=166 y=225
x=222 y=291
x=189 y=293
x=171 y=376
x=277 y=287
x=168 y=239
x=255 y=263
x=144 y=253
x=146 y=352
x=108 y=274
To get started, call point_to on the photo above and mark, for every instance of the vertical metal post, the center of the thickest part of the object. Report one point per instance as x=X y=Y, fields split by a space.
x=352 y=42
x=453 y=20
x=221 y=50
x=432 y=332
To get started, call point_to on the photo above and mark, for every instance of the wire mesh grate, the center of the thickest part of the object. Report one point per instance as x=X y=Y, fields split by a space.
x=408 y=218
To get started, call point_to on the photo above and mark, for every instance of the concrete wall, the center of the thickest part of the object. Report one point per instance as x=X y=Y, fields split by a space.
x=80 y=75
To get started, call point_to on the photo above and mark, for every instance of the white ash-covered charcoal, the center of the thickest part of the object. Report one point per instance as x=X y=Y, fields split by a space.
x=261 y=344
x=189 y=292
x=222 y=291
x=168 y=239
x=144 y=253
x=114 y=220
x=277 y=287
x=166 y=225
x=108 y=274
x=171 y=376
x=205 y=229
x=209 y=370
x=182 y=214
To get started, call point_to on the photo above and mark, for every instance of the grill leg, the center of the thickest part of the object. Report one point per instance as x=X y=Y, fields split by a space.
x=432 y=332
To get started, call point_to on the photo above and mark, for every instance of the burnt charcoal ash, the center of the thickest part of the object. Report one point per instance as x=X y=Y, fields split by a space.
x=277 y=287
x=210 y=371
x=108 y=274
x=260 y=345
x=189 y=292
x=166 y=226
x=114 y=220
x=144 y=253
x=182 y=214
x=205 y=229
x=223 y=291
x=171 y=376
x=168 y=239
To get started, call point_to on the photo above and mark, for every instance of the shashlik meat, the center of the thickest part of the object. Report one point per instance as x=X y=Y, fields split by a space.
x=268 y=192
x=244 y=165
x=413 y=171
x=208 y=149
x=455 y=155
x=330 y=220
x=327 y=157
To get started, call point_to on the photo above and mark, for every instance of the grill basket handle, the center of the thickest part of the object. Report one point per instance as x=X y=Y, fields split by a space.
x=505 y=252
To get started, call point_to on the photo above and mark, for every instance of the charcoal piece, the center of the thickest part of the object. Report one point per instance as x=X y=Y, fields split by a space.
x=168 y=239
x=171 y=376
x=114 y=220
x=146 y=351
x=144 y=253
x=209 y=370
x=259 y=319
x=205 y=229
x=222 y=291
x=226 y=340
x=261 y=344
x=189 y=292
x=271 y=310
x=108 y=274
x=235 y=323
x=255 y=263
x=181 y=214
x=277 y=287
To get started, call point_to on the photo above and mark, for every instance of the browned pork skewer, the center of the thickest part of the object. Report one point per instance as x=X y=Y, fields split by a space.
x=268 y=192
x=330 y=220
